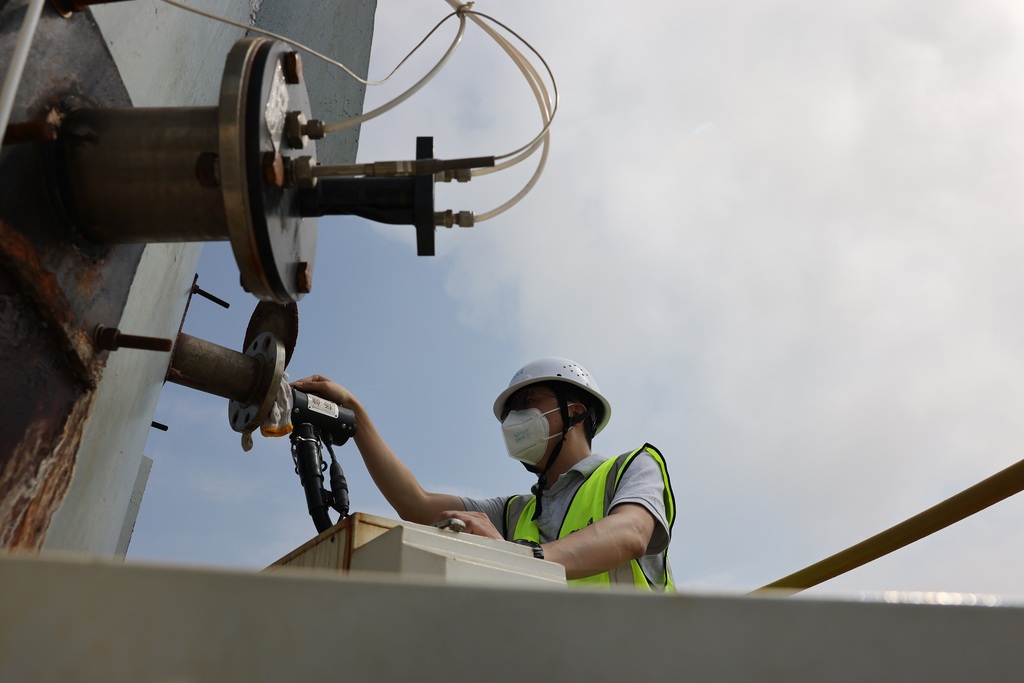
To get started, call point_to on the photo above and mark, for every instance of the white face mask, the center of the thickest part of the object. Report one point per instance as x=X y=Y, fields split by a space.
x=526 y=434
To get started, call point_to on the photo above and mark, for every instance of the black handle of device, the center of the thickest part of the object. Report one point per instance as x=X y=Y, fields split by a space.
x=304 y=439
x=339 y=489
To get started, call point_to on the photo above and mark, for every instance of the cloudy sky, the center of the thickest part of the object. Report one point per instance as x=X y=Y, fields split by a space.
x=784 y=236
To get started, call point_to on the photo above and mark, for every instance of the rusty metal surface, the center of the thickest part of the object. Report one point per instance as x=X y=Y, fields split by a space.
x=50 y=363
x=281 y=320
x=55 y=287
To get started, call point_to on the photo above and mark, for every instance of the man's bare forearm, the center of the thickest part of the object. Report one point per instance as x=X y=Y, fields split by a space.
x=604 y=545
x=394 y=479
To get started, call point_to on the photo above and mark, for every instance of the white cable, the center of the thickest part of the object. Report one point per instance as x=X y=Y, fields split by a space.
x=523 y=192
x=18 y=60
x=548 y=109
x=411 y=52
x=542 y=140
x=548 y=106
x=356 y=120
x=540 y=93
x=529 y=72
x=305 y=48
x=544 y=102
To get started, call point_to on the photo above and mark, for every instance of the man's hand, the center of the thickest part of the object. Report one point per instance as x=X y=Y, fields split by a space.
x=325 y=388
x=476 y=522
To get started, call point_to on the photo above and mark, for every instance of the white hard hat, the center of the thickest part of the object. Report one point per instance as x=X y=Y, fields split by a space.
x=556 y=370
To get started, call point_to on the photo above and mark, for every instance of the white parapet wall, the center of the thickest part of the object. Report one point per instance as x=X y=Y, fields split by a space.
x=82 y=620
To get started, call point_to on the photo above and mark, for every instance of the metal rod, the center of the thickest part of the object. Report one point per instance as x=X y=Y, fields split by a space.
x=111 y=339
x=402 y=168
x=196 y=289
x=998 y=487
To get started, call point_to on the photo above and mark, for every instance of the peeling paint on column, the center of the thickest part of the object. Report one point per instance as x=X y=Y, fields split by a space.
x=36 y=475
x=55 y=287
x=48 y=368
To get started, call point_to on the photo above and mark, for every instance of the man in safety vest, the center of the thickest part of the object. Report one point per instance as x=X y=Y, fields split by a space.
x=606 y=520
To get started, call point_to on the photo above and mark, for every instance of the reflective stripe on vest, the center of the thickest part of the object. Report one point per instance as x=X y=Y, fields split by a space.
x=589 y=504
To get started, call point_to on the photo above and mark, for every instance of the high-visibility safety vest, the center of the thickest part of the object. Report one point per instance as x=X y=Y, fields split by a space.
x=591 y=503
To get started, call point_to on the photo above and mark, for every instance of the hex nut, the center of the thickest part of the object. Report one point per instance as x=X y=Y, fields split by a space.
x=294 y=130
x=273 y=169
x=302 y=172
x=314 y=129
x=304 y=278
x=292 y=68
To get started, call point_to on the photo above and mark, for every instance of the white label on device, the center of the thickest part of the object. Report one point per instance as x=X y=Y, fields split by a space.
x=319 y=405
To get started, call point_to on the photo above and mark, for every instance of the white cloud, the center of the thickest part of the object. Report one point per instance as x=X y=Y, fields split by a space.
x=818 y=298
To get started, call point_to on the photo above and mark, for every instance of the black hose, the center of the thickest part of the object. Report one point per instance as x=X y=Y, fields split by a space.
x=308 y=464
x=339 y=487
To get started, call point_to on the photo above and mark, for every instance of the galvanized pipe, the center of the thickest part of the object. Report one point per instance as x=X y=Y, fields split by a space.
x=988 y=492
x=208 y=367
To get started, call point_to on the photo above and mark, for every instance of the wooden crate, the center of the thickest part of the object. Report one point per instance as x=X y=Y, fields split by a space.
x=333 y=548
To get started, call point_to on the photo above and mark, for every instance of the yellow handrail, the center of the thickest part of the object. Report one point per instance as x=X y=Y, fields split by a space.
x=998 y=487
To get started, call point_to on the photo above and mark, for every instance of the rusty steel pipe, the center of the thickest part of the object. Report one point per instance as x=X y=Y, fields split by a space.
x=211 y=368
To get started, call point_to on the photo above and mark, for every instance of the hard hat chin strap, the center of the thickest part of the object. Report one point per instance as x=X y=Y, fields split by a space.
x=542 y=475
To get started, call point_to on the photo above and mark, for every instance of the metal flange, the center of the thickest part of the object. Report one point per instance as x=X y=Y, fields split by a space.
x=270 y=351
x=274 y=246
x=199 y=174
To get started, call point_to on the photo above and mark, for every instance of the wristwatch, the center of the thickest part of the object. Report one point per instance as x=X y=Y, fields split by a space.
x=538 y=552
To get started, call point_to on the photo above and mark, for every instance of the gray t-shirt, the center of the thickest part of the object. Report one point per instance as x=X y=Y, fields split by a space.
x=641 y=483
